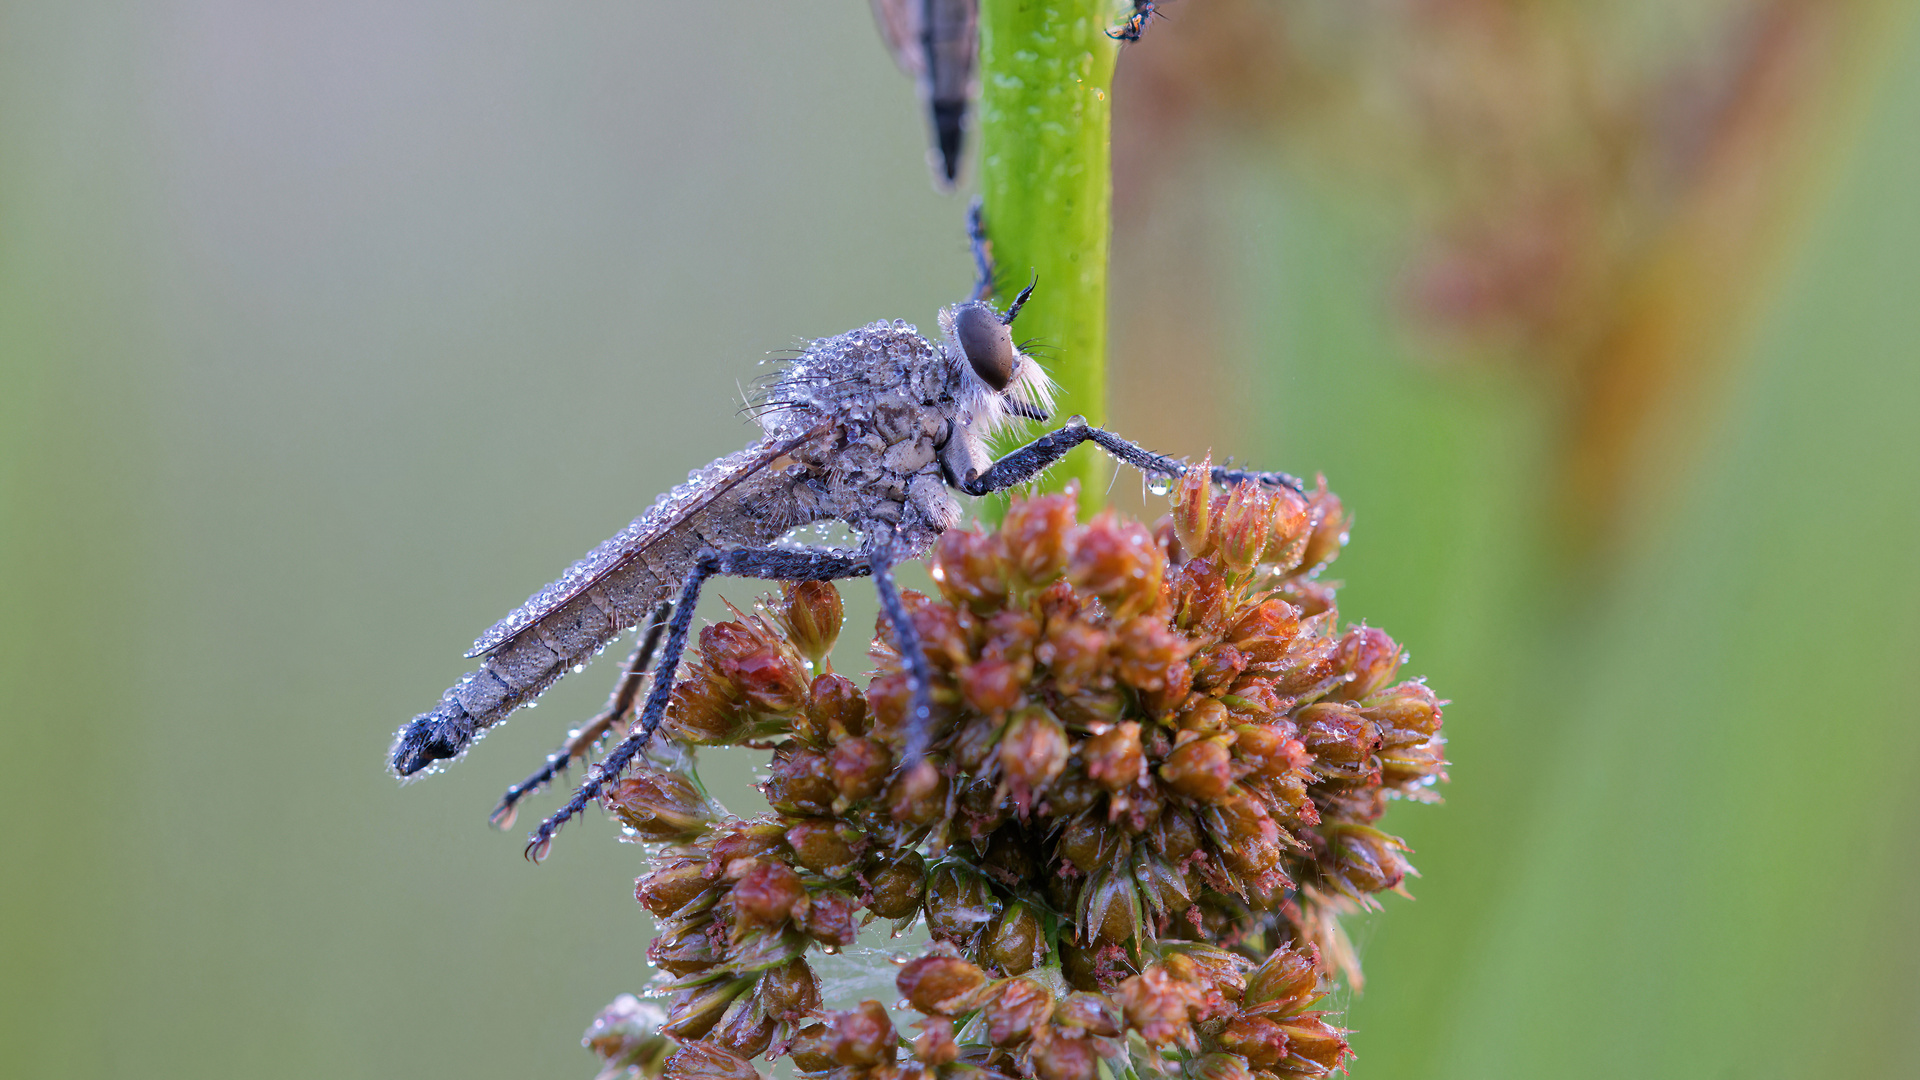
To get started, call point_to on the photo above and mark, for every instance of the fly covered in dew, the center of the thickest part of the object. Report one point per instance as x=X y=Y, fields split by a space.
x=879 y=429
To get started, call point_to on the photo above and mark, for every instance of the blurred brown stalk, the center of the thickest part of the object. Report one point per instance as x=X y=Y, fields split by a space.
x=1595 y=205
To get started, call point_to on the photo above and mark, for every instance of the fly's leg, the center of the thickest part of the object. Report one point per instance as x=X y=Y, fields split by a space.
x=764 y=564
x=983 y=270
x=977 y=243
x=619 y=706
x=919 y=672
x=1024 y=464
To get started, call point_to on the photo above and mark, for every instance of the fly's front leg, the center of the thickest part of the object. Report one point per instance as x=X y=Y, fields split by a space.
x=619 y=706
x=1029 y=461
x=765 y=564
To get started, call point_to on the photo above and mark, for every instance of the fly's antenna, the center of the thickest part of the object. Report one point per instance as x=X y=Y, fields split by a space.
x=1007 y=319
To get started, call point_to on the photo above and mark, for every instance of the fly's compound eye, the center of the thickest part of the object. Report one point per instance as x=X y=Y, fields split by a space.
x=987 y=342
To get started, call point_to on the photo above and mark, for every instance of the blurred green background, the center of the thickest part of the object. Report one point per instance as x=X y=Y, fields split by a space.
x=329 y=332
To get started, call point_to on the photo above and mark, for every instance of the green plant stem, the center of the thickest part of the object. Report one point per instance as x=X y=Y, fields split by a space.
x=1046 y=73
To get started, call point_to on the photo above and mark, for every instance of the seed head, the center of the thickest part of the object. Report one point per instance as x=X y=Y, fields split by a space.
x=1157 y=767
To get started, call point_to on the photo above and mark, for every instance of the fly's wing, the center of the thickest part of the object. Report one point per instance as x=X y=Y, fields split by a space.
x=899 y=22
x=703 y=486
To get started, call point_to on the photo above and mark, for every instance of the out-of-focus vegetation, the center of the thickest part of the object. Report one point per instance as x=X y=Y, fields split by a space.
x=327 y=335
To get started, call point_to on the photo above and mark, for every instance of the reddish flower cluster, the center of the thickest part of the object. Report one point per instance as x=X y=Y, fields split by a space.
x=1150 y=793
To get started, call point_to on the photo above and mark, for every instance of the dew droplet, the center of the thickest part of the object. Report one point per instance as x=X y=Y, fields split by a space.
x=1159 y=485
x=1076 y=421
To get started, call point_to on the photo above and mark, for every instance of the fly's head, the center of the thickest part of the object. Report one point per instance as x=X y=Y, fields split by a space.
x=996 y=384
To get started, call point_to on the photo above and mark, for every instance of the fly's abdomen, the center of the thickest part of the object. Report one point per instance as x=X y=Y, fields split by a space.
x=562 y=627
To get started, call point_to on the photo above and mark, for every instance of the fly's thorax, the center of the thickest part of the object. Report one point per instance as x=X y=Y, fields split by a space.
x=888 y=398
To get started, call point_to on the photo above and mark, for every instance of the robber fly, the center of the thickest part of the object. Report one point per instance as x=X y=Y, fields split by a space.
x=876 y=428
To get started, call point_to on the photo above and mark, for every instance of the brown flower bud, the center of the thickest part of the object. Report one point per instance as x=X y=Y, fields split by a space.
x=862 y=1036
x=1013 y=1013
x=671 y=888
x=802 y=781
x=918 y=794
x=1112 y=758
x=1330 y=524
x=1251 y=846
x=1258 y=1039
x=888 y=697
x=1270 y=750
x=765 y=669
x=706 y=709
x=1409 y=710
x=735 y=850
x=1291 y=521
x=1015 y=940
x=1072 y=794
x=1155 y=1005
x=1110 y=908
x=1308 y=669
x=686 y=951
x=1075 y=653
x=1216 y=668
x=1219 y=1067
x=1202 y=769
x=1147 y=651
x=789 y=991
x=767 y=895
x=812 y=1049
x=1205 y=716
x=1313 y=1039
x=935 y=1046
x=626 y=1035
x=836 y=709
x=1369 y=659
x=940 y=984
x=860 y=768
x=1245 y=524
x=1254 y=699
x=990 y=685
x=1287 y=980
x=1035 y=532
x=898 y=886
x=970 y=568
x=707 y=1061
x=959 y=905
x=829 y=919
x=660 y=805
x=941 y=636
x=1092 y=1013
x=1056 y=1057
x=694 y=1011
x=744 y=1031
x=1089 y=842
x=1176 y=835
x=1118 y=562
x=1032 y=753
x=823 y=846
x=1198 y=595
x=1337 y=734
x=812 y=615
x=1365 y=857
x=1421 y=763
x=1192 y=517
x=1264 y=634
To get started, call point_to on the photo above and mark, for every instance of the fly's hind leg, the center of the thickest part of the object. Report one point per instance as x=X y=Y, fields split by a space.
x=1021 y=465
x=765 y=564
x=620 y=704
